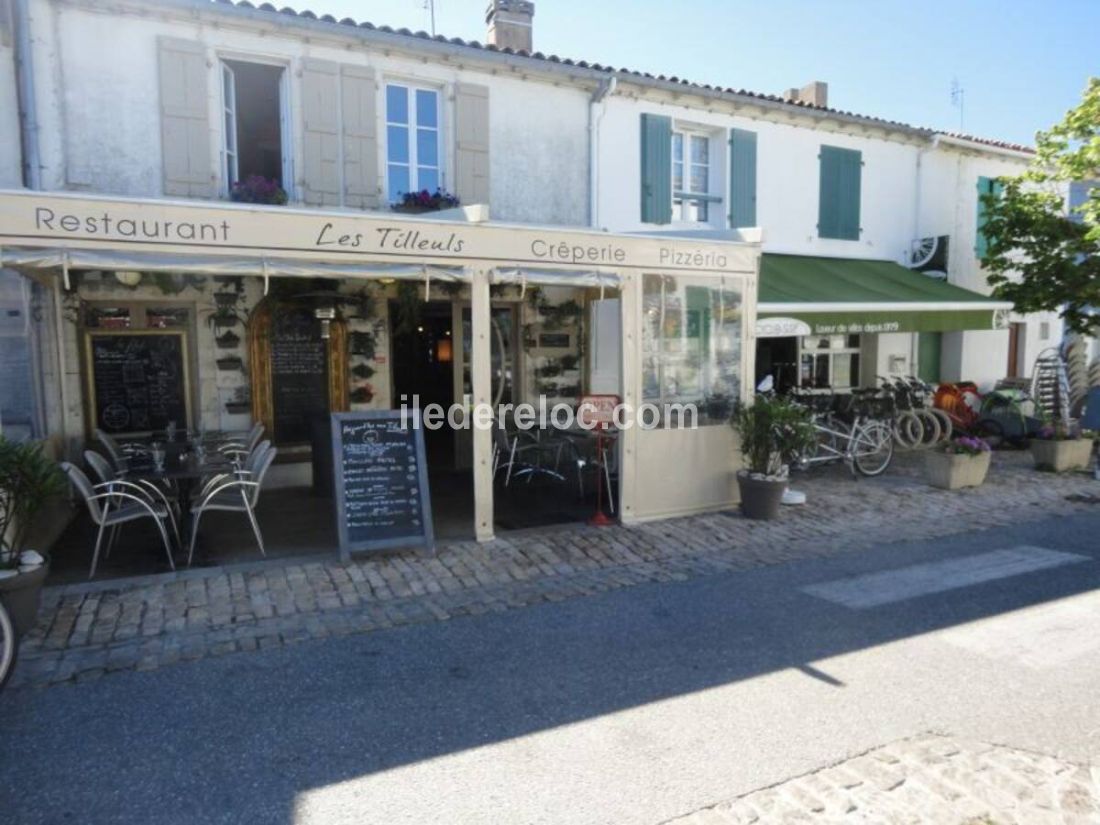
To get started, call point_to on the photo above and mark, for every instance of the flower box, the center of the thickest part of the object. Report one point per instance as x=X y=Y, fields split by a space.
x=1061 y=455
x=953 y=471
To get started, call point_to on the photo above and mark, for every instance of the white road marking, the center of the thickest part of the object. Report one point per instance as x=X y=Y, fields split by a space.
x=875 y=589
x=1040 y=637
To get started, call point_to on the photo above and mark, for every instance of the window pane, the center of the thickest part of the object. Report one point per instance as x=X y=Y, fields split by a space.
x=677 y=177
x=230 y=133
x=698 y=178
x=698 y=212
x=842 y=370
x=427 y=178
x=426 y=108
x=398 y=181
x=677 y=146
x=691 y=347
x=397 y=143
x=397 y=104
x=427 y=147
x=700 y=149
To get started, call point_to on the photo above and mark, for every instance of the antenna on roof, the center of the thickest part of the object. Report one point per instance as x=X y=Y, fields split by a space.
x=429 y=6
x=958 y=98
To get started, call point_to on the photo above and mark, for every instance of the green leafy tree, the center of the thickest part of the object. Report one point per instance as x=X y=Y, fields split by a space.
x=1040 y=256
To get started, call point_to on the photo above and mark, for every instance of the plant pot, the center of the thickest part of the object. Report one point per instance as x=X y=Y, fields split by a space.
x=230 y=364
x=20 y=595
x=229 y=340
x=1061 y=456
x=225 y=299
x=953 y=471
x=760 y=497
x=238 y=407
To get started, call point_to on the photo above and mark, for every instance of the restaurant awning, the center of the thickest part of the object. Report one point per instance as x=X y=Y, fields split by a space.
x=806 y=295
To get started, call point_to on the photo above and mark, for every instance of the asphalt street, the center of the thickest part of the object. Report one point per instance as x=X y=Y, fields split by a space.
x=632 y=707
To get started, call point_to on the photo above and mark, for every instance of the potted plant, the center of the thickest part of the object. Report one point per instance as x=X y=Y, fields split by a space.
x=363 y=394
x=1059 y=449
x=771 y=431
x=241 y=402
x=28 y=481
x=425 y=201
x=258 y=189
x=962 y=463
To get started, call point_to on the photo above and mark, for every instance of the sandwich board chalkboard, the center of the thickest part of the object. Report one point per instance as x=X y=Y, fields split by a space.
x=381 y=482
x=137 y=380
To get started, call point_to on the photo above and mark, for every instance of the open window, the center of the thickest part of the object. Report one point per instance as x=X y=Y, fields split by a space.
x=254 y=122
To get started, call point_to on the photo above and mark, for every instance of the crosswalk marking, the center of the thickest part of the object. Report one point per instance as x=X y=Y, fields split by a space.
x=888 y=586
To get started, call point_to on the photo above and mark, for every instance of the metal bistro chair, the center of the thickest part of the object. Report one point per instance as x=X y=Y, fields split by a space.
x=241 y=448
x=108 y=476
x=238 y=494
x=116 y=452
x=510 y=449
x=115 y=503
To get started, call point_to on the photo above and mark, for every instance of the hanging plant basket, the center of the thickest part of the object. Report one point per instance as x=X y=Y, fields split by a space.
x=362 y=344
x=362 y=371
x=230 y=364
x=226 y=299
x=238 y=407
x=362 y=394
x=228 y=340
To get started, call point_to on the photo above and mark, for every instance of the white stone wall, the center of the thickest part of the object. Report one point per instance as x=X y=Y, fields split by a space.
x=11 y=174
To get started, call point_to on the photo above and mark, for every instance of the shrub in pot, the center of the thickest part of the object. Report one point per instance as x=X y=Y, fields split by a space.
x=1061 y=449
x=962 y=463
x=28 y=481
x=771 y=432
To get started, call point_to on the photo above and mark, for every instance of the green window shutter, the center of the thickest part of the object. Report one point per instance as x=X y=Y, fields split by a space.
x=742 y=178
x=839 y=193
x=986 y=186
x=656 y=169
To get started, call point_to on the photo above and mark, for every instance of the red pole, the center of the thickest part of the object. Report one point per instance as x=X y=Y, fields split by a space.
x=600 y=519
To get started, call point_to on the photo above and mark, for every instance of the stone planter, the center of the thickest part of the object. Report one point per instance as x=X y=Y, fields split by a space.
x=1061 y=456
x=20 y=594
x=953 y=471
x=760 y=497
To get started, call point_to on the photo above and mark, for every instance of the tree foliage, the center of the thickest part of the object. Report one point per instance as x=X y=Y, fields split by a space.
x=1039 y=255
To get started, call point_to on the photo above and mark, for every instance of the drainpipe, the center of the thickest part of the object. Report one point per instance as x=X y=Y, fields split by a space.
x=606 y=88
x=28 y=111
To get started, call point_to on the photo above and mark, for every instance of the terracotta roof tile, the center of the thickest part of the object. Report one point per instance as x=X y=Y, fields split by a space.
x=626 y=72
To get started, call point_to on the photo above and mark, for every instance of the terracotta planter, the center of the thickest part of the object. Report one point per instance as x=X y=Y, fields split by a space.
x=20 y=595
x=953 y=471
x=1062 y=456
x=760 y=497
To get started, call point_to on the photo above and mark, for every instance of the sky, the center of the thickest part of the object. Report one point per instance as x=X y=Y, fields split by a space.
x=1021 y=65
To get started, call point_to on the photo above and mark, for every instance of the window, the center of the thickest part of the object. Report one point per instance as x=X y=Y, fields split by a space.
x=412 y=140
x=839 y=193
x=20 y=373
x=691 y=346
x=252 y=129
x=690 y=177
x=829 y=361
x=986 y=186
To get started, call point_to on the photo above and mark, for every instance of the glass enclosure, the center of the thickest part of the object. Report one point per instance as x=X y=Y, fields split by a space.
x=691 y=345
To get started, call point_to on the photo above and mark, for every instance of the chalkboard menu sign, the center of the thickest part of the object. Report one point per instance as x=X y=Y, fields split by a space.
x=299 y=374
x=137 y=380
x=382 y=498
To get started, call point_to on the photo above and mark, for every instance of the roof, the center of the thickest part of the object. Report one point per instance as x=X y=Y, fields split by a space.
x=624 y=73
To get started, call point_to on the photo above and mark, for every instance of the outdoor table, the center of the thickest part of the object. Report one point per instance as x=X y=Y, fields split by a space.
x=184 y=470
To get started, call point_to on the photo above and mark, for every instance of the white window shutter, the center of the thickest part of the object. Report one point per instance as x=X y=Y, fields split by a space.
x=471 y=143
x=360 y=134
x=185 y=119
x=320 y=133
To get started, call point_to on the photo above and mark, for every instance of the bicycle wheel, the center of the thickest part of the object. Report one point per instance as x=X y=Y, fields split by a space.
x=930 y=436
x=908 y=430
x=872 y=448
x=9 y=644
x=947 y=428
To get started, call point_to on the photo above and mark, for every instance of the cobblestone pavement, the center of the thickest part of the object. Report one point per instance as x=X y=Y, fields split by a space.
x=926 y=779
x=87 y=630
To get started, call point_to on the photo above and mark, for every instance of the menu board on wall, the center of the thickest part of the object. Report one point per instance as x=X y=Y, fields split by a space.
x=137 y=380
x=381 y=482
x=299 y=374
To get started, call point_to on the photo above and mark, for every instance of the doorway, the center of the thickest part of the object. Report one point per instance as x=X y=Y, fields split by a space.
x=777 y=357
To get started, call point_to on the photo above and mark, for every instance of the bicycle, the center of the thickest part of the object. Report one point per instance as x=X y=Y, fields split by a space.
x=908 y=426
x=866 y=445
x=923 y=395
x=9 y=646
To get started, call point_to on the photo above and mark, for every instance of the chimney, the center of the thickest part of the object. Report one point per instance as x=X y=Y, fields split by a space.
x=509 y=24
x=815 y=93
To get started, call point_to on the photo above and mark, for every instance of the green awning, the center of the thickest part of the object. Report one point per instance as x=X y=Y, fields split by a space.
x=851 y=296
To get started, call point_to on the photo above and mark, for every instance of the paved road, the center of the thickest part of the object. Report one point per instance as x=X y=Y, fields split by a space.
x=636 y=706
